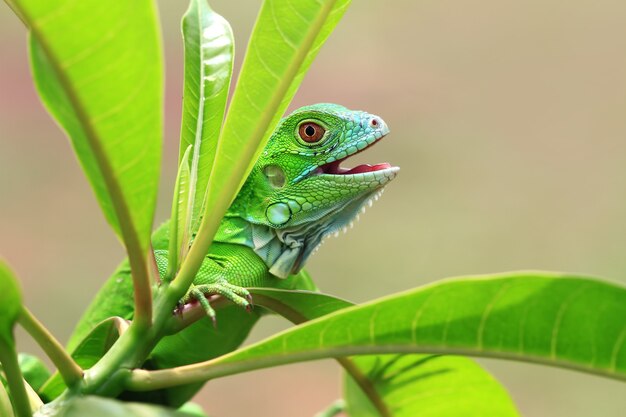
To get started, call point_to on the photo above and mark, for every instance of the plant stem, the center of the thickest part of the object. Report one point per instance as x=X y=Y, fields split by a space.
x=128 y=352
x=68 y=368
x=19 y=397
x=107 y=377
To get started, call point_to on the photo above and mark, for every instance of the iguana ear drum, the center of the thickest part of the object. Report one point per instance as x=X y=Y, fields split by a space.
x=275 y=176
x=278 y=213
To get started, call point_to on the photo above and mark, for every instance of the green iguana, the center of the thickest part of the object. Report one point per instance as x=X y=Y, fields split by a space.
x=296 y=195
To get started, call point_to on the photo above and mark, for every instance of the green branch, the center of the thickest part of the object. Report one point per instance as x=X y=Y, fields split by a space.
x=69 y=370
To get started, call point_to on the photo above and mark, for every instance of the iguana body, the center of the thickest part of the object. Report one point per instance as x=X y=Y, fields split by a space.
x=296 y=195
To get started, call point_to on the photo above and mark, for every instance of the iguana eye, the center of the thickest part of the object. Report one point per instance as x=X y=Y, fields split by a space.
x=311 y=132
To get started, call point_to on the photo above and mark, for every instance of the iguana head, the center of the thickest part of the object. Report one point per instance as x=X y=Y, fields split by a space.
x=300 y=186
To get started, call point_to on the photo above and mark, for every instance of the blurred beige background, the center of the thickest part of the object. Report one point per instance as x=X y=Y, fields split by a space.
x=508 y=120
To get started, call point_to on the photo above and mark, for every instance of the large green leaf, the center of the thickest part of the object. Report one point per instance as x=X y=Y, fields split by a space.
x=400 y=385
x=104 y=407
x=560 y=320
x=411 y=385
x=98 y=68
x=209 y=46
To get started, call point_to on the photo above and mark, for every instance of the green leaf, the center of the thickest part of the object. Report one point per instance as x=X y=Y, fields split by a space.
x=553 y=319
x=34 y=370
x=103 y=407
x=98 y=68
x=209 y=49
x=401 y=385
x=87 y=353
x=179 y=232
x=426 y=385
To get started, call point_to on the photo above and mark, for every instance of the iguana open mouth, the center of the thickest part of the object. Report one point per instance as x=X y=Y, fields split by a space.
x=335 y=168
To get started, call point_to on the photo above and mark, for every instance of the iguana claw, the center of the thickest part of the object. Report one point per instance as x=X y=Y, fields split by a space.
x=238 y=295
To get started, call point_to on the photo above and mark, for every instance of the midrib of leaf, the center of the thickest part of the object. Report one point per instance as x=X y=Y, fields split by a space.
x=261 y=130
x=141 y=277
x=366 y=386
x=198 y=134
x=224 y=367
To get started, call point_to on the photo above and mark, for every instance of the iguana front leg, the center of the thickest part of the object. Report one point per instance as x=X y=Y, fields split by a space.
x=225 y=271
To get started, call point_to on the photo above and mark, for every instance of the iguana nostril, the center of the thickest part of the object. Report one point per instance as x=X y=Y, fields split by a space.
x=374 y=122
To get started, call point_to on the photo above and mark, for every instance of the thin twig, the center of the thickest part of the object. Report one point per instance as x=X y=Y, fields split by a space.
x=68 y=368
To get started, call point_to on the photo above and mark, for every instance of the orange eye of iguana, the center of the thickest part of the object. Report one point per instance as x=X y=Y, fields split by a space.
x=311 y=132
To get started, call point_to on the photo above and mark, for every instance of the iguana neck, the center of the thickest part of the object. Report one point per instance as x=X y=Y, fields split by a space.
x=283 y=251
x=286 y=250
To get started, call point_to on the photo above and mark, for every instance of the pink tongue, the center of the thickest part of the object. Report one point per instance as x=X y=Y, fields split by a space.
x=367 y=168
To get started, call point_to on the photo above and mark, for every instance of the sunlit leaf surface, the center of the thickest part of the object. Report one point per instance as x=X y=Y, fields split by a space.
x=554 y=319
x=98 y=68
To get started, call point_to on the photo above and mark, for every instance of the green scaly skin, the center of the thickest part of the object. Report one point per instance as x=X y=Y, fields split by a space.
x=296 y=195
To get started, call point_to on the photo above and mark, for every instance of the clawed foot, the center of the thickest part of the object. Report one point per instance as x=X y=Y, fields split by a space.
x=238 y=295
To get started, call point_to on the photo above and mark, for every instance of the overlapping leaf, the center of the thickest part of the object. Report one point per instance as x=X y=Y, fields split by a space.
x=411 y=385
x=98 y=68
x=559 y=320
x=209 y=49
